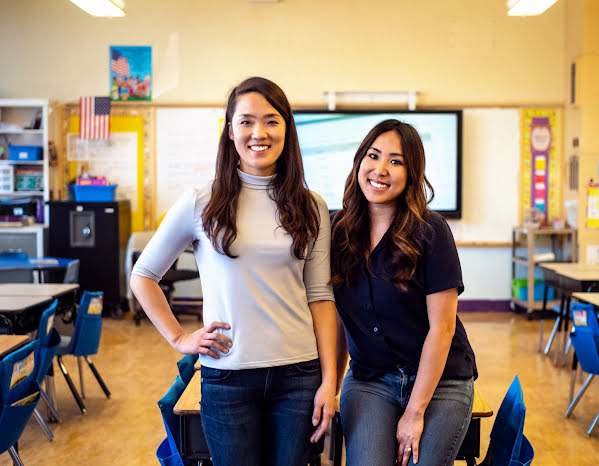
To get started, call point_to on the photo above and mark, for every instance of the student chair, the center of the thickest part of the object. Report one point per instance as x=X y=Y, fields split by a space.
x=136 y=244
x=18 y=396
x=84 y=343
x=508 y=445
x=49 y=339
x=71 y=274
x=585 y=339
x=15 y=276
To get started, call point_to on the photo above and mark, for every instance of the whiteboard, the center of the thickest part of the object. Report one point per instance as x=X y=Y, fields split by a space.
x=186 y=145
x=187 y=140
x=490 y=165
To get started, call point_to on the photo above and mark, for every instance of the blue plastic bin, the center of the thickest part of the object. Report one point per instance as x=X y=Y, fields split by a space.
x=520 y=289
x=26 y=153
x=94 y=193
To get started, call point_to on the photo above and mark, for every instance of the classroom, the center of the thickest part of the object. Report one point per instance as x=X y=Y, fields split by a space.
x=512 y=83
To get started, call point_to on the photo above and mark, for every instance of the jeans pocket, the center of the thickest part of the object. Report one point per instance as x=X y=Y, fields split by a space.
x=210 y=374
x=308 y=367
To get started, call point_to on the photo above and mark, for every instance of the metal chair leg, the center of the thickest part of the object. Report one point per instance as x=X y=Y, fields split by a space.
x=67 y=377
x=80 y=367
x=592 y=426
x=552 y=336
x=15 y=456
x=50 y=405
x=97 y=374
x=579 y=395
x=43 y=424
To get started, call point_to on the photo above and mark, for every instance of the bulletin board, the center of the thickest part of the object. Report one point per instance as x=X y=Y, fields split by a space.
x=132 y=128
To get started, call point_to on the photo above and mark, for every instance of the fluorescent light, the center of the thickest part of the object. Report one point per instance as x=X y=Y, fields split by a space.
x=106 y=8
x=528 y=7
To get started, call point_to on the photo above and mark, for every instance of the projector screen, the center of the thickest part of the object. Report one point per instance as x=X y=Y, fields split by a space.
x=329 y=140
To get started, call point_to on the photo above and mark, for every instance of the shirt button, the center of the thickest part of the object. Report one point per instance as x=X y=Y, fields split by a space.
x=376 y=329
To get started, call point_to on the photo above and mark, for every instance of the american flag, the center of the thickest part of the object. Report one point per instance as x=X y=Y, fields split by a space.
x=119 y=64
x=95 y=118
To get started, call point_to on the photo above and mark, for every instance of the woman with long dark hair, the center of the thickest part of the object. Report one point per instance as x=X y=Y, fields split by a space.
x=407 y=396
x=261 y=241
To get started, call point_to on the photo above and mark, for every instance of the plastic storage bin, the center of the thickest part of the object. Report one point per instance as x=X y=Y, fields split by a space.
x=29 y=180
x=520 y=289
x=94 y=193
x=25 y=153
x=7 y=179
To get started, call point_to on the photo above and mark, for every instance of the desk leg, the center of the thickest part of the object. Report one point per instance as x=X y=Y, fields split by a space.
x=541 y=323
x=560 y=359
x=573 y=377
x=556 y=326
x=337 y=440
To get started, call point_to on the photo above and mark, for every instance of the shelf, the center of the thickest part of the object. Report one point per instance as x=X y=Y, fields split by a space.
x=21 y=162
x=21 y=193
x=21 y=131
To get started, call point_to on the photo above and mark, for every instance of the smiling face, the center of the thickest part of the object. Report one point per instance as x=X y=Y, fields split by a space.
x=382 y=175
x=258 y=131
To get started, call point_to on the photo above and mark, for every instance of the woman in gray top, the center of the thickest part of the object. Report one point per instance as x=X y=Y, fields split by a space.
x=261 y=241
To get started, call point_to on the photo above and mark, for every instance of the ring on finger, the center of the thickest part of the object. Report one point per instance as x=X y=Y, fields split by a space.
x=407 y=449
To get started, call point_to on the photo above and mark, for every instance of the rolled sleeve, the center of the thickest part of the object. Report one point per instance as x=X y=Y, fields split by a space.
x=175 y=233
x=317 y=270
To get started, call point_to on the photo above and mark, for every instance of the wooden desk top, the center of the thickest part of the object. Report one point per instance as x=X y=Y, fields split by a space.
x=20 y=303
x=189 y=403
x=37 y=289
x=9 y=343
x=592 y=298
x=573 y=270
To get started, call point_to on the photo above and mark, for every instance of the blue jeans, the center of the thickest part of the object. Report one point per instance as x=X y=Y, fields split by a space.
x=370 y=411
x=257 y=417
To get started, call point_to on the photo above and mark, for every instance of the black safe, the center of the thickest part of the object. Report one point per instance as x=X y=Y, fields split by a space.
x=96 y=233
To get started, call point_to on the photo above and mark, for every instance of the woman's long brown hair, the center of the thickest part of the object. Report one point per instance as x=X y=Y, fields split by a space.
x=351 y=226
x=297 y=209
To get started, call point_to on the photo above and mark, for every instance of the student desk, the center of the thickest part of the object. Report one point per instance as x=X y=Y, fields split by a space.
x=469 y=450
x=37 y=289
x=567 y=278
x=192 y=444
x=191 y=441
x=10 y=343
x=11 y=307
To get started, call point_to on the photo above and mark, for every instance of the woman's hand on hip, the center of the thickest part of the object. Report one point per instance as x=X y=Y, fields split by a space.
x=205 y=341
x=324 y=409
x=409 y=431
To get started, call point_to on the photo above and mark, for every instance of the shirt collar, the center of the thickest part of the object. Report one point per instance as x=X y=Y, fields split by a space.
x=253 y=181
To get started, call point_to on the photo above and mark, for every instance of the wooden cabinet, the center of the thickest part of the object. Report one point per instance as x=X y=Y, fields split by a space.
x=563 y=245
x=24 y=175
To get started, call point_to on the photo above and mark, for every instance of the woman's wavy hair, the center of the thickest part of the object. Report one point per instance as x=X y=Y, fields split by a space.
x=297 y=210
x=408 y=231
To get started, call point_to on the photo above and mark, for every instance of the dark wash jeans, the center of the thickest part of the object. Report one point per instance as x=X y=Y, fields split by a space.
x=257 y=417
x=370 y=411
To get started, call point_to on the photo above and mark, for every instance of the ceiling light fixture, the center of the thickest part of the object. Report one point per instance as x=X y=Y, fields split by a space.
x=104 y=8
x=528 y=7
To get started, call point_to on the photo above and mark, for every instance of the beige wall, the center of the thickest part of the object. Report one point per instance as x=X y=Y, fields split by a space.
x=455 y=52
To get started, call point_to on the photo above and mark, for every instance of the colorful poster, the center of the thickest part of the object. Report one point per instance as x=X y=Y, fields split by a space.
x=540 y=162
x=593 y=206
x=131 y=73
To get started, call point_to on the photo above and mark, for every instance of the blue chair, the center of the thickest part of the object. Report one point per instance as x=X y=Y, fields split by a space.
x=167 y=453
x=508 y=445
x=585 y=339
x=49 y=339
x=84 y=343
x=18 y=396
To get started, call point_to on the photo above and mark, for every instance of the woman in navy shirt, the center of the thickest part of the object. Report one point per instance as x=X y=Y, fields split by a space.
x=409 y=390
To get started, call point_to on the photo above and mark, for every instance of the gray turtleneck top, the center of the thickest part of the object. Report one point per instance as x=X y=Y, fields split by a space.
x=264 y=292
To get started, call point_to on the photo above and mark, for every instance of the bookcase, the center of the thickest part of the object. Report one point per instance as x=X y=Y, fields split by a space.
x=24 y=174
x=563 y=245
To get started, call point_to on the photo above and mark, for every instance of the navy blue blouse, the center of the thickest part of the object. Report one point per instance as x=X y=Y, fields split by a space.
x=385 y=326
